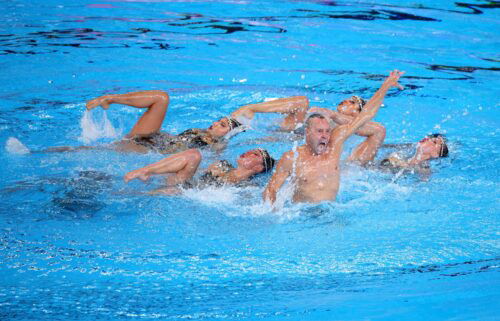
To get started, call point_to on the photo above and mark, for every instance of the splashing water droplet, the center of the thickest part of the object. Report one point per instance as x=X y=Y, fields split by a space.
x=92 y=130
x=14 y=146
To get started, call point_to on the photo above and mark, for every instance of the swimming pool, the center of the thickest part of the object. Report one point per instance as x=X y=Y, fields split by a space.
x=77 y=243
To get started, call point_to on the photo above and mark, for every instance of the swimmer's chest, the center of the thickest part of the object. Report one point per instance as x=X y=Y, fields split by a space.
x=317 y=171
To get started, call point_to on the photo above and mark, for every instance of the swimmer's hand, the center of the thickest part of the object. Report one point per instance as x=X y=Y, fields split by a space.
x=392 y=80
x=141 y=174
x=102 y=101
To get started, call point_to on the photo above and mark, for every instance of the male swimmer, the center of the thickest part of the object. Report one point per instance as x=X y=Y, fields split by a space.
x=183 y=166
x=315 y=165
x=431 y=147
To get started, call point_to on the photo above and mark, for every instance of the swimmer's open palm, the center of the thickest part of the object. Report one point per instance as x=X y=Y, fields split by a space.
x=393 y=79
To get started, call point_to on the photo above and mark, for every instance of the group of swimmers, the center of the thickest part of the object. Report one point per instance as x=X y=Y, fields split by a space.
x=314 y=166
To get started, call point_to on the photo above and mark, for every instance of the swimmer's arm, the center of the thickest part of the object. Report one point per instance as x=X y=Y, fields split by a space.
x=170 y=190
x=290 y=105
x=369 y=111
x=282 y=172
x=367 y=130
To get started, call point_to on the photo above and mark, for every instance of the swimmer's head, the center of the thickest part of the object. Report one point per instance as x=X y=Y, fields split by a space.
x=351 y=106
x=258 y=160
x=433 y=146
x=223 y=126
x=267 y=161
x=318 y=130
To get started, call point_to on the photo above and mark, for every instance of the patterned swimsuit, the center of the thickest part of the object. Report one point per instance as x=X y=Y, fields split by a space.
x=165 y=143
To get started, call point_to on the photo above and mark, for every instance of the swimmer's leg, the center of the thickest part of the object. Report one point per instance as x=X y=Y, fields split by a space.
x=366 y=151
x=120 y=146
x=170 y=190
x=182 y=165
x=294 y=109
x=67 y=149
x=155 y=101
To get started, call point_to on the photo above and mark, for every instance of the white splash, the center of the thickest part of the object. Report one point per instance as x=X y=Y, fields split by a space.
x=14 y=146
x=214 y=196
x=92 y=130
x=288 y=189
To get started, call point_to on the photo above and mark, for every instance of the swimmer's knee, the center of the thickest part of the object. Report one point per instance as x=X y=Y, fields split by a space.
x=162 y=96
x=193 y=155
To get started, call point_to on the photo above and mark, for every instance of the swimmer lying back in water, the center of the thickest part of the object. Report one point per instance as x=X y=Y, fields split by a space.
x=146 y=135
x=182 y=167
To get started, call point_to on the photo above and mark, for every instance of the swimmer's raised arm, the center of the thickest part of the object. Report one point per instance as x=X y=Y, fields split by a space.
x=373 y=131
x=282 y=172
x=294 y=108
x=342 y=132
x=366 y=130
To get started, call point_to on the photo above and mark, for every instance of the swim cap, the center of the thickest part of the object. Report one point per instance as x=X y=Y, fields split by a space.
x=267 y=160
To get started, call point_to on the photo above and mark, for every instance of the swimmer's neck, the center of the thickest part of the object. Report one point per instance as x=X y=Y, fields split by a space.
x=238 y=174
x=418 y=158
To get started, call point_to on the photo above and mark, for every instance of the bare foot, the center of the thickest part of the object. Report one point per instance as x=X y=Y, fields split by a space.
x=102 y=101
x=141 y=174
x=244 y=111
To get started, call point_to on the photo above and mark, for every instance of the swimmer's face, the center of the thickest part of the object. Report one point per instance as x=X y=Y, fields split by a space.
x=251 y=160
x=430 y=146
x=318 y=135
x=349 y=107
x=219 y=128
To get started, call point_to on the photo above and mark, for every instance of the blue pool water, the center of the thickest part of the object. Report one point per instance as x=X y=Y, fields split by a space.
x=78 y=244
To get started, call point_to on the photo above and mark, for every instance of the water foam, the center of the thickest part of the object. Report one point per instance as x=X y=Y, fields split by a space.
x=15 y=146
x=93 y=130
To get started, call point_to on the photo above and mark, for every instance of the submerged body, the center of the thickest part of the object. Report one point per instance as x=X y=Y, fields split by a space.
x=182 y=167
x=146 y=135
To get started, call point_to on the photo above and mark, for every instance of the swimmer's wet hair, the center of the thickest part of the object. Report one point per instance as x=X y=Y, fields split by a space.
x=267 y=161
x=319 y=115
x=444 y=146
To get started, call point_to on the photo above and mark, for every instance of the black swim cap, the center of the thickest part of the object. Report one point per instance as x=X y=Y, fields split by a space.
x=233 y=123
x=267 y=161
x=444 y=146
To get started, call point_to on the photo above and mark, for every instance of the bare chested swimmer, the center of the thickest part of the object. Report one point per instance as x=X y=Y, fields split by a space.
x=431 y=147
x=182 y=167
x=315 y=165
x=146 y=135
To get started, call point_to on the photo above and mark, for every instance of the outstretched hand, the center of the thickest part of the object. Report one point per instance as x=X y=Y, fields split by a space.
x=393 y=79
x=96 y=102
